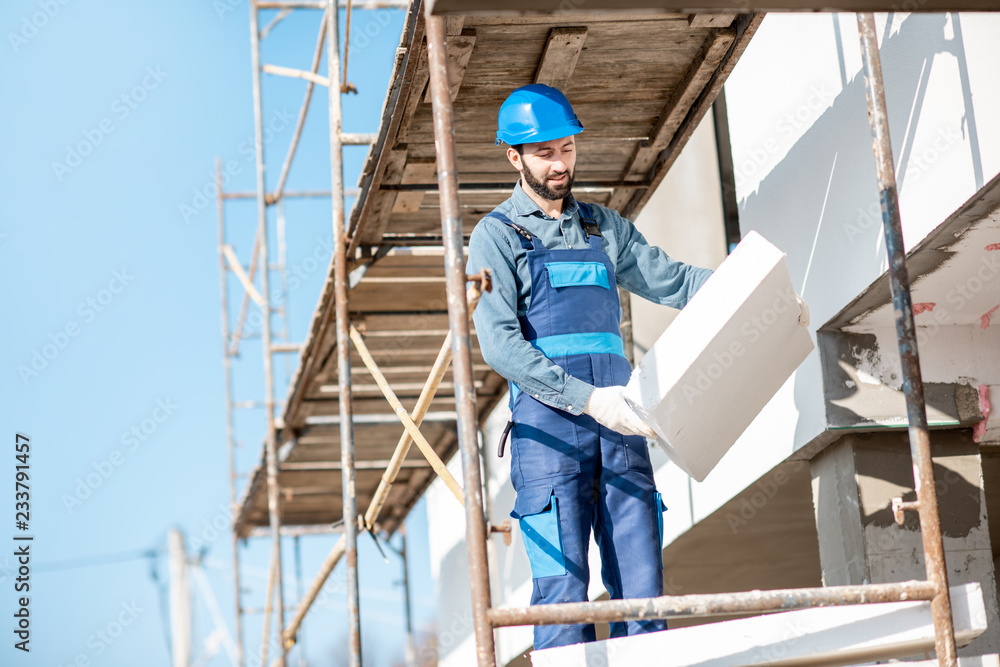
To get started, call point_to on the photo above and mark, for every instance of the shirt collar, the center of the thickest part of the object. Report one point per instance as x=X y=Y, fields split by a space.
x=525 y=206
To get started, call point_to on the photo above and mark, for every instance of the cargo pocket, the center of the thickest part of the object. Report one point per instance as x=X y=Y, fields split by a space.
x=537 y=511
x=544 y=442
x=659 y=508
x=637 y=454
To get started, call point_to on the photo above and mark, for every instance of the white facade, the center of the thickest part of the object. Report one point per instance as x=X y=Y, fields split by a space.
x=805 y=179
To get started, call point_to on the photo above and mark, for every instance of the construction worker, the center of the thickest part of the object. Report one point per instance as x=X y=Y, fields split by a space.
x=579 y=454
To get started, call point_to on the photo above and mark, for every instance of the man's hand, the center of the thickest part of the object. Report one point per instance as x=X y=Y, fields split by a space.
x=608 y=407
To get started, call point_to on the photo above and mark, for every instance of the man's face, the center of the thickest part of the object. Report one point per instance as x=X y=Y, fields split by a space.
x=547 y=168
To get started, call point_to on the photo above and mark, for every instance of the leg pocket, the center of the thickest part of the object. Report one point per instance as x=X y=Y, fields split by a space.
x=537 y=511
x=637 y=454
x=659 y=508
x=544 y=442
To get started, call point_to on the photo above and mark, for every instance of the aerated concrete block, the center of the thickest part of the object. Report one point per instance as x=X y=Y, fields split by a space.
x=722 y=358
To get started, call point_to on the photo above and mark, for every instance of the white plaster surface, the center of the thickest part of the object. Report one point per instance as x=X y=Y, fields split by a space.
x=722 y=359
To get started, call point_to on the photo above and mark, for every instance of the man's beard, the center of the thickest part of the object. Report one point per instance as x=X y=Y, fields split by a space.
x=543 y=190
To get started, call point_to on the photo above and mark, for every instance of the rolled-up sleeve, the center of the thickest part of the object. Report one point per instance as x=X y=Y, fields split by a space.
x=500 y=339
x=647 y=271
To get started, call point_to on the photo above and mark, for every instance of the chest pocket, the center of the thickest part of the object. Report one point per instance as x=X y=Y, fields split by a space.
x=577 y=274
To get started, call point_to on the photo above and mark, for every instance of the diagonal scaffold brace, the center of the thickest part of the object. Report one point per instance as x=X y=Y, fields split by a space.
x=480 y=284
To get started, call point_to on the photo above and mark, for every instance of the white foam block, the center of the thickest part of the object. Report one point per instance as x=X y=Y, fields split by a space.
x=722 y=358
x=820 y=636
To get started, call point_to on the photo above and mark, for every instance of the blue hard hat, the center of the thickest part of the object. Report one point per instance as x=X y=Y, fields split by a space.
x=536 y=113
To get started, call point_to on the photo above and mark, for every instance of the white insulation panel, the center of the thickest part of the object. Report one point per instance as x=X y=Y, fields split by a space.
x=722 y=359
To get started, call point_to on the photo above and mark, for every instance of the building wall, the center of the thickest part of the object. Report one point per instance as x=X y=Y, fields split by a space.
x=806 y=181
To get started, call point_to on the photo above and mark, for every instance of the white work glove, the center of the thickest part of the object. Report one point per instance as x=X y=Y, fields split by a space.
x=607 y=405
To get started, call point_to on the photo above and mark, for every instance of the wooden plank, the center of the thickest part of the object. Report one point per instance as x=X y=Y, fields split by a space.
x=476 y=153
x=370 y=178
x=655 y=35
x=241 y=275
x=421 y=76
x=490 y=55
x=745 y=28
x=454 y=24
x=698 y=74
x=495 y=14
x=544 y=9
x=382 y=202
x=558 y=61
x=721 y=20
x=485 y=129
x=417 y=170
x=676 y=109
x=460 y=49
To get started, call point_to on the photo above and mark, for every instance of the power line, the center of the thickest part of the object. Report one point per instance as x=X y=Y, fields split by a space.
x=98 y=560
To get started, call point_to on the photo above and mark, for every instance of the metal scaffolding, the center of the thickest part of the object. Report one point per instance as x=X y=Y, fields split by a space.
x=272 y=344
x=463 y=293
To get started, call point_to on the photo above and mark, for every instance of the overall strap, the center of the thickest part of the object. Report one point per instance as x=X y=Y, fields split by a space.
x=528 y=241
x=590 y=228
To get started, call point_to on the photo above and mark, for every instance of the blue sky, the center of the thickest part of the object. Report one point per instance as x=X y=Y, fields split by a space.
x=114 y=114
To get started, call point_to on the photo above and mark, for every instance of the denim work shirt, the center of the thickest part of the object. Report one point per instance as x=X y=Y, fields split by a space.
x=640 y=268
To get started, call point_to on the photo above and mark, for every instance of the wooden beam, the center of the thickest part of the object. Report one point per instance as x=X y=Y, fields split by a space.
x=241 y=275
x=711 y=20
x=675 y=110
x=296 y=74
x=417 y=170
x=421 y=76
x=562 y=50
x=378 y=218
x=453 y=25
x=459 y=51
x=598 y=7
x=687 y=91
x=375 y=164
x=745 y=26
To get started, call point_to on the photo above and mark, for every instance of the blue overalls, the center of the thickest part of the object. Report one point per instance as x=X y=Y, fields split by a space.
x=570 y=473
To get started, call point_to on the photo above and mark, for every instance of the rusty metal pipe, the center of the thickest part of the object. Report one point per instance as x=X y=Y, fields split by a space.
x=273 y=489
x=458 y=321
x=906 y=333
x=340 y=289
x=300 y=123
x=709 y=605
x=271 y=570
x=227 y=365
